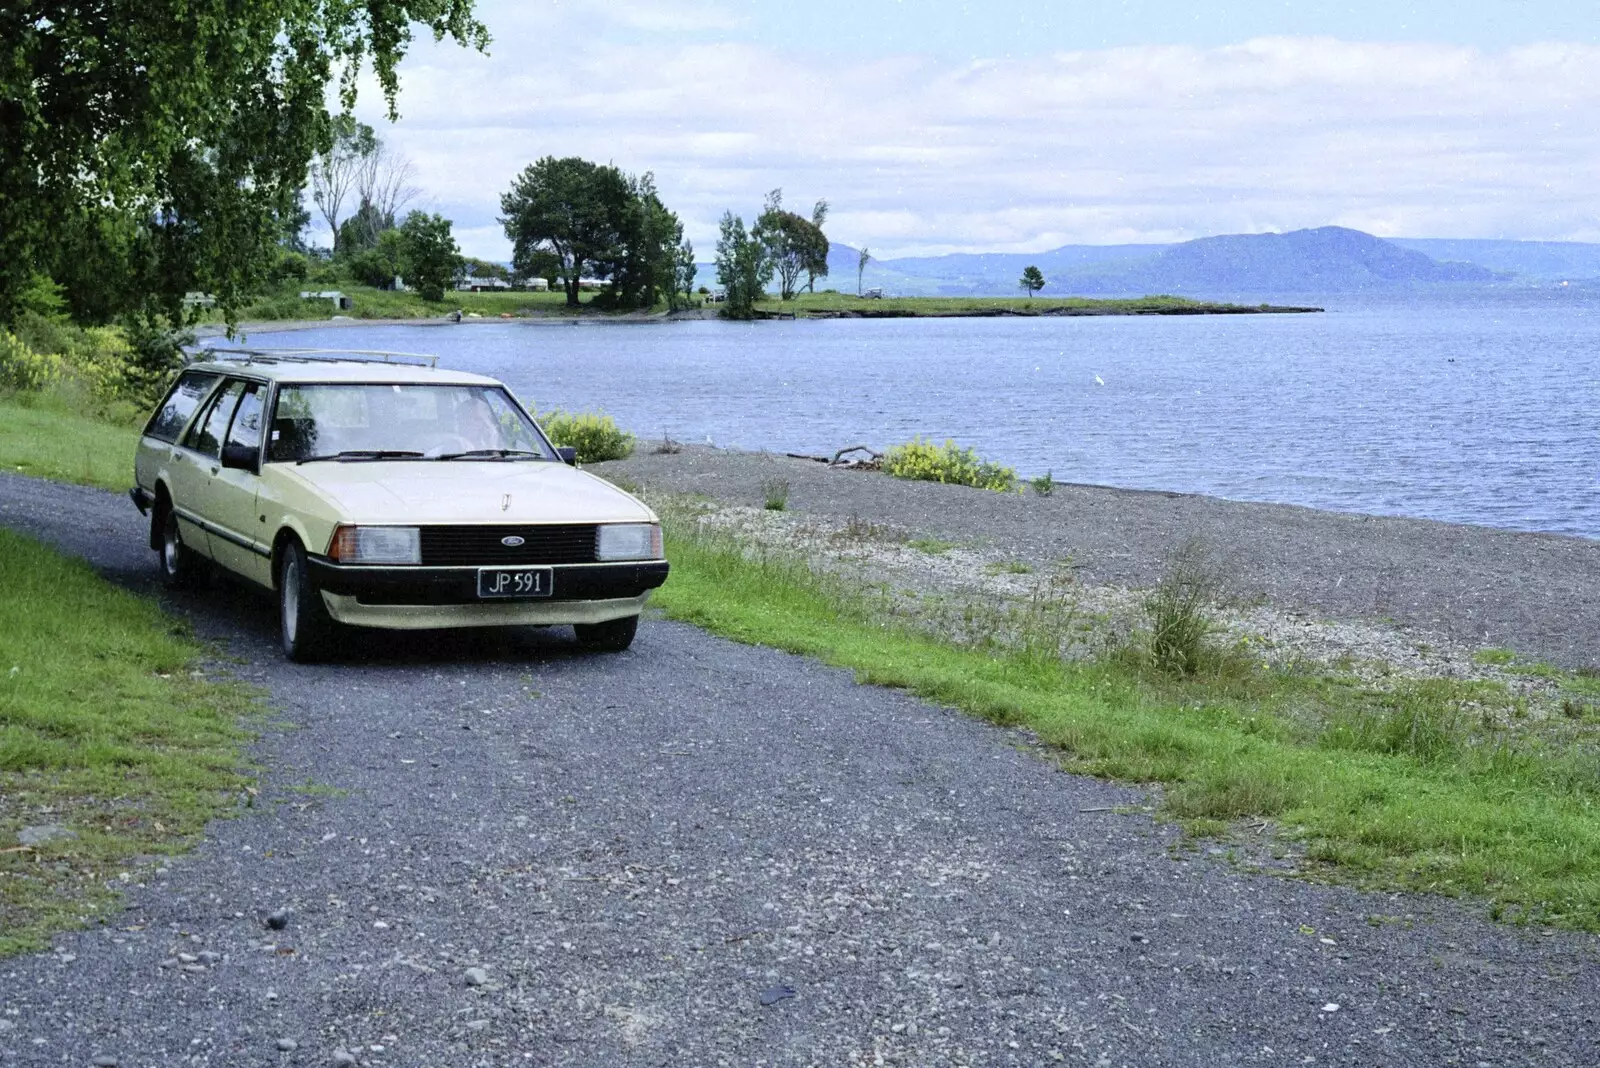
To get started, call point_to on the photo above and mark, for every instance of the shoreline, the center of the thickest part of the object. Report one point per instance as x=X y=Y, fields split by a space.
x=1536 y=593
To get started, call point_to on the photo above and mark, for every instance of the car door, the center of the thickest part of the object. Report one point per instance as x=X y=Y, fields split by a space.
x=236 y=531
x=197 y=462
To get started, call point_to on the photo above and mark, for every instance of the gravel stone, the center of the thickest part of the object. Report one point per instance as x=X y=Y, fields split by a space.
x=702 y=821
x=278 y=920
x=343 y=1058
x=287 y=1045
x=39 y=834
x=105 y=1060
x=477 y=977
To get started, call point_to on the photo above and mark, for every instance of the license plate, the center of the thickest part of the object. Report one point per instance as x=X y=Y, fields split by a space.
x=515 y=581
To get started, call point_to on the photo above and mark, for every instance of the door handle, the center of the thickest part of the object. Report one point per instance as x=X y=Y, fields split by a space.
x=176 y=456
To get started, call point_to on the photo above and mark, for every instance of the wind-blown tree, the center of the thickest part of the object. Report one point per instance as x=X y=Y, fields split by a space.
x=362 y=230
x=1031 y=280
x=386 y=182
x=793 y=244
x=743 y=267
x=429 y=254
x=862 y=259
x=172 y=135
x=817 y=267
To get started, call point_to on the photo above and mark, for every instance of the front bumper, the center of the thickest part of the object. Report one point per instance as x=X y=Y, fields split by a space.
x=418 y=598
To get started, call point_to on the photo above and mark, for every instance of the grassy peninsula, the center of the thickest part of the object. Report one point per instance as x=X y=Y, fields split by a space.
x=832 y=305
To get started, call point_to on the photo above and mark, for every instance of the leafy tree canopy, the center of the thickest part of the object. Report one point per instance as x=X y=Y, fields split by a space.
x=429 y=253
x=743 y=267
x=595 y=221
x=152 y=148
x=1032 y=280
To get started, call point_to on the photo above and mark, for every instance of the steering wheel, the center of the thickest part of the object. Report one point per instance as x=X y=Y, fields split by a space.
x=449 y=443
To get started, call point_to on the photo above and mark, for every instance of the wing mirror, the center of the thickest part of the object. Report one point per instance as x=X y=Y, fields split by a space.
x=240 y=457
x=568 y=454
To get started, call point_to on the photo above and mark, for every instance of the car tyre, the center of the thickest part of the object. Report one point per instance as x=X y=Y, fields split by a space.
x=180 y=565
x=612 y=636
x=308 y=632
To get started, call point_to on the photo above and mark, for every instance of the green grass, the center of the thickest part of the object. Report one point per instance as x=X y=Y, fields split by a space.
x=1419 y=788
x=41 y=436
x=832 y=303
x=931 y=546
x=369 y=303
x=105 y=730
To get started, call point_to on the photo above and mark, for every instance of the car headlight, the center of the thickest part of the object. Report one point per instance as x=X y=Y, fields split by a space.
x=628 y=541
x=376 y=545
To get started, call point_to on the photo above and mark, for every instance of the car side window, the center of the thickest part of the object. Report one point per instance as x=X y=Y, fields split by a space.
x=206 y=434
x=175 y=412
x=246 y=428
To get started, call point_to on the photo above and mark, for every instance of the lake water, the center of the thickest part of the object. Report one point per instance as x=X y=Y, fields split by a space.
x=1476 y=411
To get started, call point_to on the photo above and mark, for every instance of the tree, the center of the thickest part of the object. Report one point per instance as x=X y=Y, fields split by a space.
x=571 y=208
x=1031 y=280
x=333 y=173
x=593 y=220
x=377 y=266
x=170 y=135
x=743 y=267
x=384 y=181
x=862 y=259
x=429 y=254
x=818 y=268
x=793 y=244
x=683 y=275
x=361 y=231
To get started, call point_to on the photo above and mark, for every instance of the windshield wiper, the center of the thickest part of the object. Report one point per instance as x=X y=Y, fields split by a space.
x=497 y=454
x=364 y=454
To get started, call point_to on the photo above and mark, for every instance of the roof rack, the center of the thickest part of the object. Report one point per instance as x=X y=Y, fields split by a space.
x=418 y=359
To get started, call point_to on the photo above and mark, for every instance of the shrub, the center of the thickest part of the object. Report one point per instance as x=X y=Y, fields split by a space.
x=949 y=463
x=1043 y=485
x=595 y=436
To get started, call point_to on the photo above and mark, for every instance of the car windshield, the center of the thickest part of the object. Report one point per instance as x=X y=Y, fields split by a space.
x=401 y=422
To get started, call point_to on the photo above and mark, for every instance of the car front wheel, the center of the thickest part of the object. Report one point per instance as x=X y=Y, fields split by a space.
x=179 y=564
x=307 y=630
x=612 y=636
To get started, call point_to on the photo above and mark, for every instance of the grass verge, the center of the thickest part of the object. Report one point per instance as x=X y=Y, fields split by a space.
x=106 y=731
x=1416 y=787
x=41 y=436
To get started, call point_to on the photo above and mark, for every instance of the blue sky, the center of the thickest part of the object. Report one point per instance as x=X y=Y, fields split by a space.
x=944 y=125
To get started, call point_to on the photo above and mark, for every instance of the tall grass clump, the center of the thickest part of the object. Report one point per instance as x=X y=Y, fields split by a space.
x=950 y=463
x=775 y=494
x=596 y=436
x=1179 y=609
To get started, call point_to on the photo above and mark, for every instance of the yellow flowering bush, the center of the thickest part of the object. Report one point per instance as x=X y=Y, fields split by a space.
x=596 y=436
x=951 y=463
x=23 y=370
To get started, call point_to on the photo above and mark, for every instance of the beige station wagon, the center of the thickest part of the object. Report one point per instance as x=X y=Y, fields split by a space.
x=375 y=490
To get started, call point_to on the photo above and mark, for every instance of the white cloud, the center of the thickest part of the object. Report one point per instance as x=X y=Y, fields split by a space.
x=918 y=155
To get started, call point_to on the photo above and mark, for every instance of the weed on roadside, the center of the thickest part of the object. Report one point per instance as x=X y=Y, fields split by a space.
x=775 y=493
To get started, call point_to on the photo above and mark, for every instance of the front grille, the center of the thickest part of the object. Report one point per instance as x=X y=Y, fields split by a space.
x=570 y=543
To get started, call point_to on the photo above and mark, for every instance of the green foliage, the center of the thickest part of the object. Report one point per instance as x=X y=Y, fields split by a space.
x=596 y=436
x=102 y=730
x=775 y=494
x=743 y=267
x=378 y=266
x=593 y=220
x=362 y=230
x=429 y=254
x=1044 y=485
x=1179 y=608
x=113 y=372
x=683 y=277
x=48 y=435
x=164 y=156
x=792 y=244
x=927 y=462
x=22 y=369
x=1032 y=280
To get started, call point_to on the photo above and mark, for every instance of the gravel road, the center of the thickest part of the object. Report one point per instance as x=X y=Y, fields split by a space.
x=699 y=853
x=1536 y=593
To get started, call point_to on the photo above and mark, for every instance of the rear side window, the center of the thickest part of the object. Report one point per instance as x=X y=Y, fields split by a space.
x=179 y=407
x=206 y=435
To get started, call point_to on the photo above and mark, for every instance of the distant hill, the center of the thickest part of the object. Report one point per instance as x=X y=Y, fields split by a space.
x=1549 y=261
x=1329 y=259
